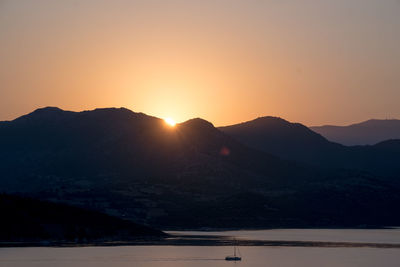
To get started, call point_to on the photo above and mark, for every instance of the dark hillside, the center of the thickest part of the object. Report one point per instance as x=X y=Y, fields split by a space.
x=25 y=219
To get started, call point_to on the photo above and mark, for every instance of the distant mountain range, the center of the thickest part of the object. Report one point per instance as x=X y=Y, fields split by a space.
x=369 y=132
x=194 y=175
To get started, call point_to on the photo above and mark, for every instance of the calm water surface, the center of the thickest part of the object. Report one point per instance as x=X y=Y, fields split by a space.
x=210 y=256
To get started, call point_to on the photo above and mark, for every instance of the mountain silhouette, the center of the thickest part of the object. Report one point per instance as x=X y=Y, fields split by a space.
x=296 y=142
x=190 y=176
x=369 y=132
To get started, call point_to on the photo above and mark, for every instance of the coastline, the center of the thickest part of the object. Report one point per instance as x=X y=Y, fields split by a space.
x=201 y=240
x=211 y=229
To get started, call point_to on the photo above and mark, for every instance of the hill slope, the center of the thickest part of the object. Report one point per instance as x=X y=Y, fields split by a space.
x=365 y=133
x=29 y=220
x=287 y=140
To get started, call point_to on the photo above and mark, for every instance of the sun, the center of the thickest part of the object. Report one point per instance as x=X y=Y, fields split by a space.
x=170 y=122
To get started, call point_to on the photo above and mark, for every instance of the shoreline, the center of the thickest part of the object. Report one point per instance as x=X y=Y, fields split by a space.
x=201 y=240
x=205 y=229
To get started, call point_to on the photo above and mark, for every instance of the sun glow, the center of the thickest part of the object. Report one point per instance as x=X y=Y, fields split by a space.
x=170 y=122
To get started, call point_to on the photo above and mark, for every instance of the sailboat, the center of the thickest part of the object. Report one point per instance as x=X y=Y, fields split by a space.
x=234 y=257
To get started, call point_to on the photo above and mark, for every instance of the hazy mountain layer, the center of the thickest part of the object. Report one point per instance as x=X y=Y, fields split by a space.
x=365 y=133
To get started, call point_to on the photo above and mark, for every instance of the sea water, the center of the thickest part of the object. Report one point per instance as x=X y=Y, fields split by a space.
x=210 y=256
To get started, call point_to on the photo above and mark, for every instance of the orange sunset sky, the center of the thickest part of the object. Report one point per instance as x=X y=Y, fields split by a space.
x=315 y=62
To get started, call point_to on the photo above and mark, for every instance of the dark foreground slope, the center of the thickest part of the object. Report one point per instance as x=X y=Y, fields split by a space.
x=190 y=176
x=29 y=220
x=296 y=142
x=369 y=132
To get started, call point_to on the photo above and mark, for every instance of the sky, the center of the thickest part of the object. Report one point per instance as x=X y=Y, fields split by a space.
x=315 y=62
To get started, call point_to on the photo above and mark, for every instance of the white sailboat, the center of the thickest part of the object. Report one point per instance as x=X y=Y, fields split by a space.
x=234 y=257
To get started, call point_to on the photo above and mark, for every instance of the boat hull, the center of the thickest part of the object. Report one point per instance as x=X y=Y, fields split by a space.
x=231 y=258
